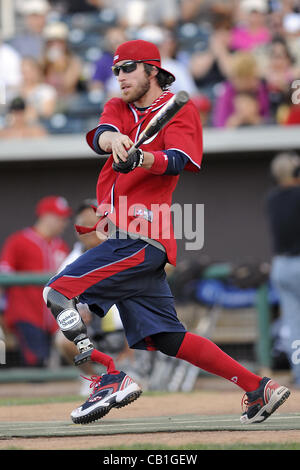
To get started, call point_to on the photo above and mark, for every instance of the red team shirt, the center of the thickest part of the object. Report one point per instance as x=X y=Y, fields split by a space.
x=146 y=193
x=26 y=250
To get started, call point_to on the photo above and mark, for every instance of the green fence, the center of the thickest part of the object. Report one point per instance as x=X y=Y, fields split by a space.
x=218 y=271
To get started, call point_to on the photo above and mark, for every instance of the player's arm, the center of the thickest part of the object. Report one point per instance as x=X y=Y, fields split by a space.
x=118 y=144
x=183 y=142
x=108 y=140
x=115 y=143
x=109 y=136
x=169 y=162
x=10 y=255
x=182 y=147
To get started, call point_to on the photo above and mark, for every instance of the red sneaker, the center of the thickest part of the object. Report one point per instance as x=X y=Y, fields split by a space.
x=261 y=403
x=109 y=390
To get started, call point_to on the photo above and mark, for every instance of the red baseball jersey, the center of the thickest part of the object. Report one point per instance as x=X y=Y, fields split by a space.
x=26 y=250
x=140 y=201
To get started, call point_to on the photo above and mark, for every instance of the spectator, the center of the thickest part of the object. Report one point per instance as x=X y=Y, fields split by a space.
x=211 y=66
x=137 y=13
x=291 y=25
x=275 y=20
x=283 y=204
x=17 y=125
x=167 y=44
x=293 y=115
x=189 y=10
x=40 y=97
x=61 y=67
x=200 y=11
x=293 y=112
x=10 y=70
x=279 y=72
x=30 y=41
x=244 y=77
x=77 y=6
x=252 y=31
x=246 y=111
x=113 y=38
x=204 y=106
x=39 y=248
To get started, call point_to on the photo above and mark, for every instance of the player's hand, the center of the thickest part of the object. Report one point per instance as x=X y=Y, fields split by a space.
x=120 y=144
x=133 y=161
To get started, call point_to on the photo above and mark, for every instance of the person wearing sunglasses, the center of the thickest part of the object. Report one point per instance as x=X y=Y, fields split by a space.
x=134 y=207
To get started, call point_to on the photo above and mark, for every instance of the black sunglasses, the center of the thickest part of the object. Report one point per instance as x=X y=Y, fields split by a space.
x=128 y=67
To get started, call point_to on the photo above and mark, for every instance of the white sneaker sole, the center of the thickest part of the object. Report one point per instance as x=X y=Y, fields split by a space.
x=278 y=397
x=102 y=407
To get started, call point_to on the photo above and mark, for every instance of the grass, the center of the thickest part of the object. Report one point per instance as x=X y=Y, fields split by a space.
x=264 y=446
x=15 y=401
x=190 y=447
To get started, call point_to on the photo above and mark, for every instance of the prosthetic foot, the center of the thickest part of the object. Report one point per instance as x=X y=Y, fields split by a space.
x=85 y=349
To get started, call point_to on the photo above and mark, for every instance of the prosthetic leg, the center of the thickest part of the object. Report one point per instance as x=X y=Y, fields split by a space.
x=72 y=326
x=70 y=323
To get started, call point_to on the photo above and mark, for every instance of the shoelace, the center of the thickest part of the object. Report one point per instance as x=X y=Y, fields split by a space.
x=95 y=381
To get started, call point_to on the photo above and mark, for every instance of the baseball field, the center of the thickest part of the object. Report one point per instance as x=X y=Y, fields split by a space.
x=35 y=416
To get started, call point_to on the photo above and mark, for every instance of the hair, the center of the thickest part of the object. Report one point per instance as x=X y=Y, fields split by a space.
x=17 y=104
x=244 y=64
x=164 y=79
x=86 y=204
x=283 y=166
x=282 y=41
x=248 y=94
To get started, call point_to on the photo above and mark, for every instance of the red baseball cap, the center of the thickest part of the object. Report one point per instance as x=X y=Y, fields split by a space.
x=141 y=50
x=54 y=205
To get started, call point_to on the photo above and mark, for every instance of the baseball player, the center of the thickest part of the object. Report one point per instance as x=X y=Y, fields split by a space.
x=128 y=268
x=38 y=248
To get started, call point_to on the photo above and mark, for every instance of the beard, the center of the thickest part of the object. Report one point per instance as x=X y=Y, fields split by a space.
x=135 y=94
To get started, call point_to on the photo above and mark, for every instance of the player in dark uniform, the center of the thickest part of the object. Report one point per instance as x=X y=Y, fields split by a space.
x=128 y=268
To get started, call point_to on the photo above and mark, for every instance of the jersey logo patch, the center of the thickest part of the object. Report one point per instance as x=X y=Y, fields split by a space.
x=144 y=213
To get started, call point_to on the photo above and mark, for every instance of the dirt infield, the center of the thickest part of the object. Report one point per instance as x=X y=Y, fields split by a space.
x=213 y=397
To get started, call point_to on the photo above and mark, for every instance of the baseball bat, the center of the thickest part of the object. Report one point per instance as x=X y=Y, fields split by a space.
x=165 y=114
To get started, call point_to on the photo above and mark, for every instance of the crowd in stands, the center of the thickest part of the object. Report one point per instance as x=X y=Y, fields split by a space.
x=238 y=60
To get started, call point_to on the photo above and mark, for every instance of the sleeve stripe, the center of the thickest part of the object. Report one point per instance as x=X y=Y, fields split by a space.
x=108 y=124
x=192 y=161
